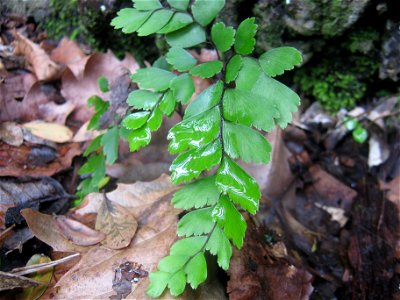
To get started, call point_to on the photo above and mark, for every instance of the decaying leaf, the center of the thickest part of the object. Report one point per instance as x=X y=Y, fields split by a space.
x=118 y=224
x=47 y=229
x=255 y=273
x=10 y=281
x=43 y=67
x=36 y=160
x=50 y=131
x=77 y=90
x=11 y=134
x=12 y=90
x=44 y=276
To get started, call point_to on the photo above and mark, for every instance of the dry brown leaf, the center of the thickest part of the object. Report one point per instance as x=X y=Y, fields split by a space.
x=24 y=99
x=255 y=273
x=38 y=104
x=10 y=281
x=36 y=161
x=78 y=90
x=12 y=90
x=93 y=276
x=68 y=53
x=118 y=224
x=50 y=131
x=46 y=229
x=43 y=67
x=77 y=232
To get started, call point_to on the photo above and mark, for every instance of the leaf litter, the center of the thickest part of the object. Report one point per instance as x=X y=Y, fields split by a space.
x=306 y=242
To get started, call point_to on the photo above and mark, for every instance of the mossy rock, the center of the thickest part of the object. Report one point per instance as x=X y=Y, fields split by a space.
x=90 y=23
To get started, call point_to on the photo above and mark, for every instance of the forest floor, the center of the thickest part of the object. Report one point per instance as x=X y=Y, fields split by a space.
x=329 y=220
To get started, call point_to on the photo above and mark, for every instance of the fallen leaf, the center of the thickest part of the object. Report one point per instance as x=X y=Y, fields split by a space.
x=44 y=102
x=36 y=161
x=149 y=203
x=68 y=53
x=12 y=90
x=256 y=274
x=44 y=68
x=77 y=232
x=46 y=229
x=77 y=90
x=10 y=281
x=11 y=134
x=18 y=239
x=24 y=99
x=44 y=276
x=392 y=189
x=118 y=224
x=274 y=177
x=18 y=193
x=50 y=131
x=84 y=135
x=378 y=150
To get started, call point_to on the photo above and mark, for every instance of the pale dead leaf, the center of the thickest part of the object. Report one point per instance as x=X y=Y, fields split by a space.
x=274 y=177
x=43 y=67
x=46 y=229
x=84 y=135
x=50 y=131
x=118 y=224
x=11 y=134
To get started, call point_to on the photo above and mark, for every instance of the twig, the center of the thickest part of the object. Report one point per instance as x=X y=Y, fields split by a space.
x=44 y=266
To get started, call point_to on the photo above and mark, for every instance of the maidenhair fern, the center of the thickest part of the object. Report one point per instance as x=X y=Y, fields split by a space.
x=219 y=126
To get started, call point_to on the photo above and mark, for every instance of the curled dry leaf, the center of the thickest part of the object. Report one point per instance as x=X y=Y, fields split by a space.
x=118 y=224
x=44 y=68
x=50 y=131
x=36 y=160
x=77 y=232
x=47 y=229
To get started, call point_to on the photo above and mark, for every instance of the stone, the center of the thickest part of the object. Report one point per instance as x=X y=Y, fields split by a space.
x=323 y=17
x=390 y=53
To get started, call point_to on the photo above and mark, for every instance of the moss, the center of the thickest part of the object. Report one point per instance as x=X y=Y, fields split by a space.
x=362 y=41
x=339 y=84
x=63 y=19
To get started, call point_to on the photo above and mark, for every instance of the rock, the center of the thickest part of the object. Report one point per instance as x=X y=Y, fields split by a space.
x=323 y=17
x=390 y=54
x=38 y=9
